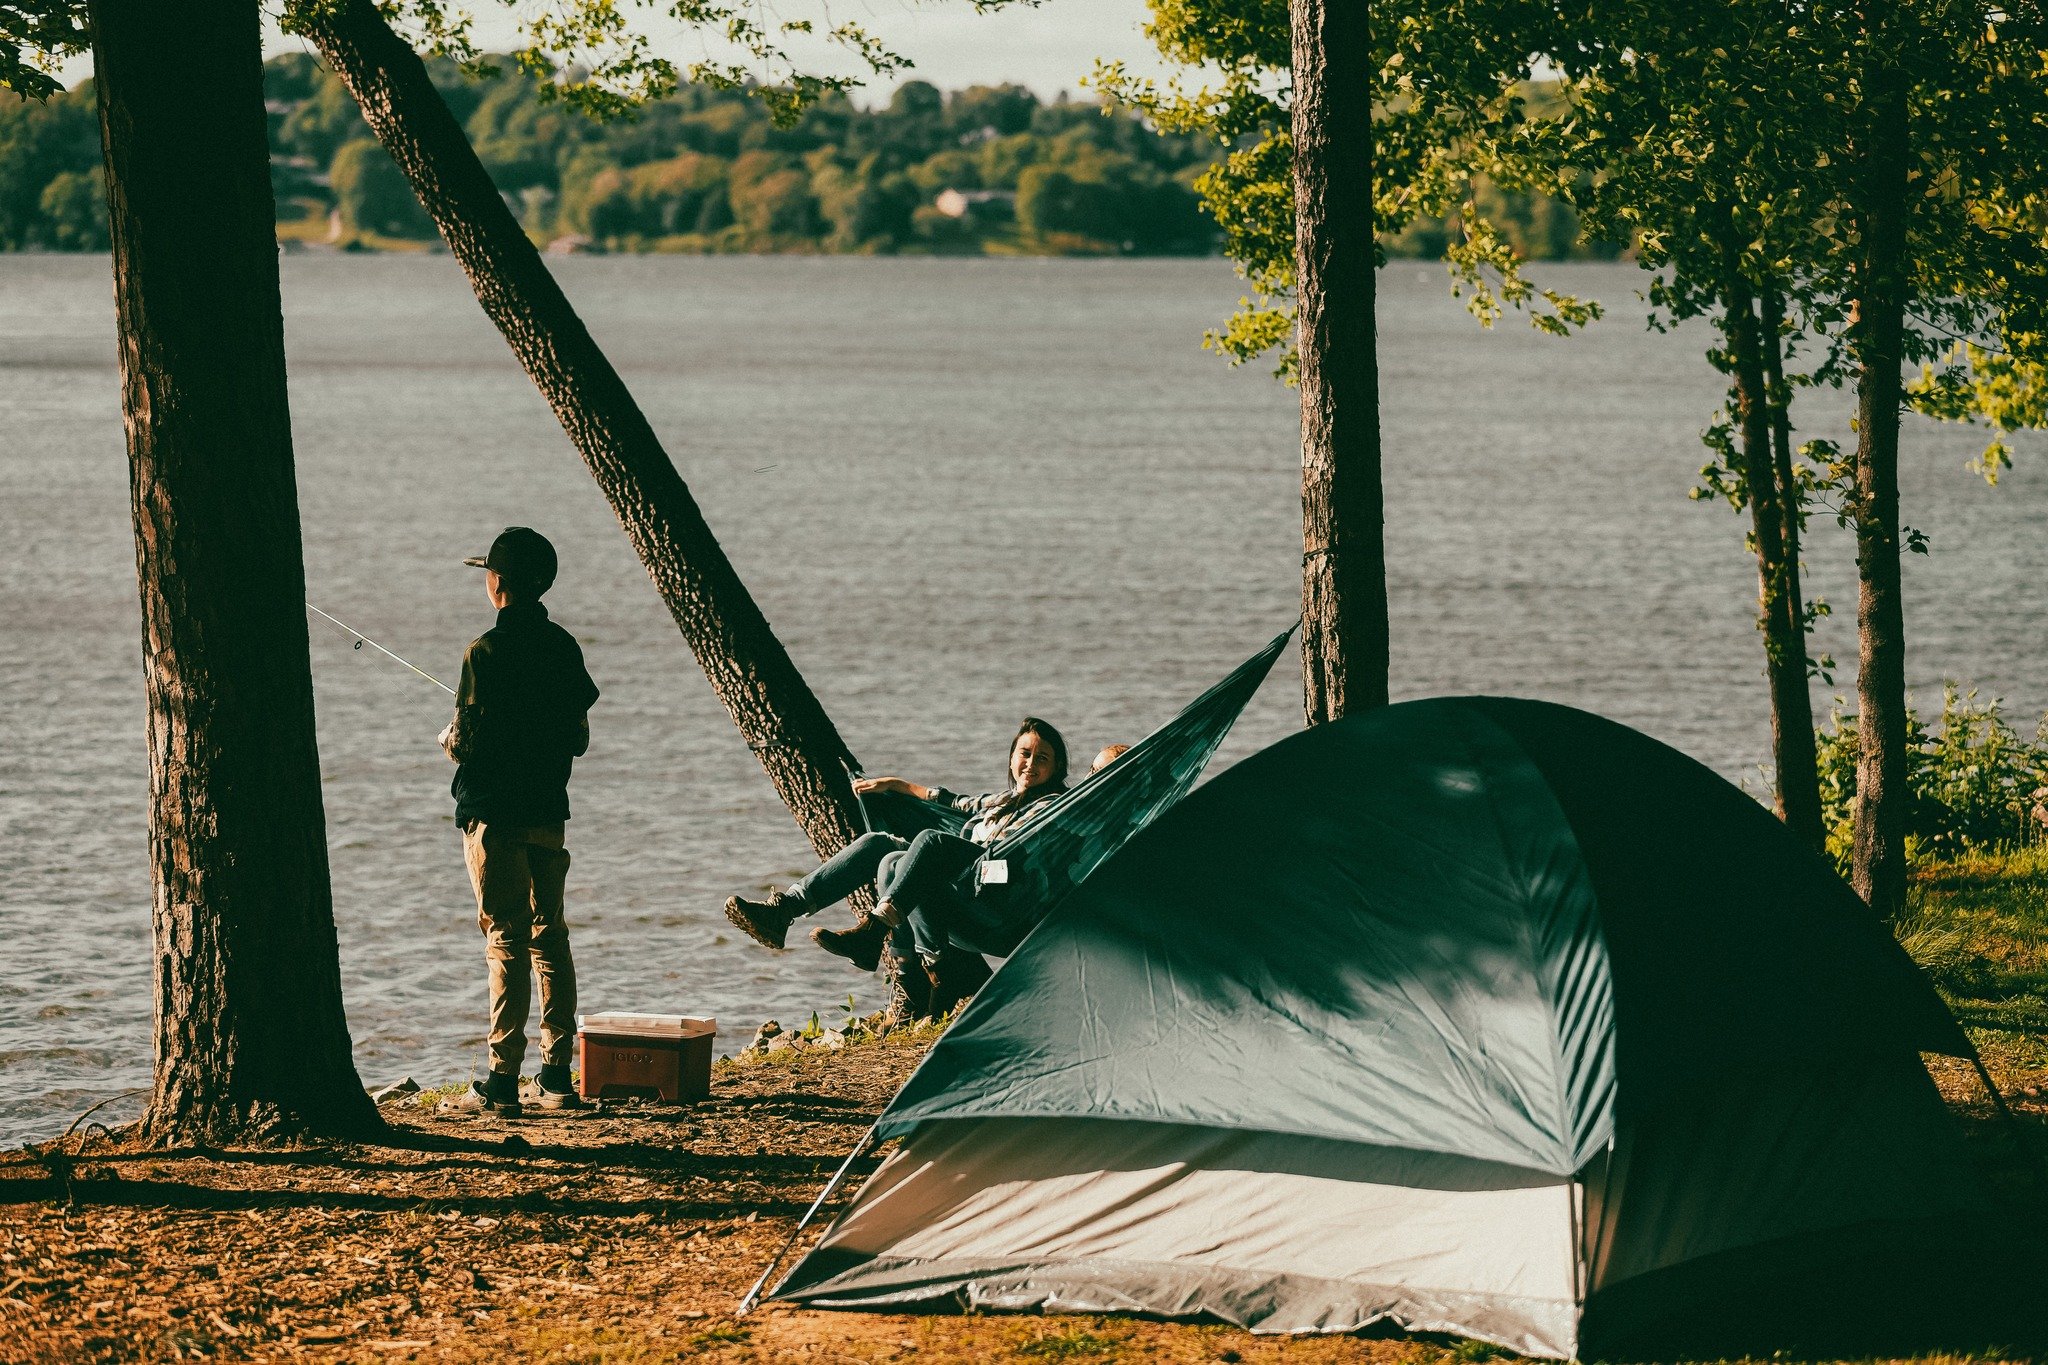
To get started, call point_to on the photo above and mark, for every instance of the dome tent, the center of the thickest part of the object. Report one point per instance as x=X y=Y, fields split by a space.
x=1473 y=1014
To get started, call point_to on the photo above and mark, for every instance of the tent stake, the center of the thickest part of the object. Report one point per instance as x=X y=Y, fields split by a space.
x=2020 y=1134
x=754 y=1295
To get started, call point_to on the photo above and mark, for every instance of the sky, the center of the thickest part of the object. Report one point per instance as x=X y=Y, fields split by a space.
x=1049 y=47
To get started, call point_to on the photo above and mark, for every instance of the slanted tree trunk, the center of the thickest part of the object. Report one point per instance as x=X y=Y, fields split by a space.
x=1879 y=863
x=1344 y=650
x=250 y=1037
x=776 y=712
x=1780 y=615
x=1798 y=764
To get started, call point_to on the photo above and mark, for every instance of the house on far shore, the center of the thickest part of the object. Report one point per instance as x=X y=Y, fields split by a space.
x=977 y=203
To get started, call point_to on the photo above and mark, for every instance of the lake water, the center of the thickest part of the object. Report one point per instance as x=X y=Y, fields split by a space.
x=962 y=490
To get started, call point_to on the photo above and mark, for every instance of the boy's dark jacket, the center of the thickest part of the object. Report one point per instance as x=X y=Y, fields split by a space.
x=521 y=720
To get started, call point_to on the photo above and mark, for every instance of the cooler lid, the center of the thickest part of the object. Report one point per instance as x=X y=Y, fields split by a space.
x=647 y=1025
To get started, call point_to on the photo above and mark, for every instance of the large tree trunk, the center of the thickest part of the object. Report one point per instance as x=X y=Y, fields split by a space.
x=774 y=708
x=1780 y=615
x=250 y=1036
x=1344 y=649
x=1882 y=798
x=1792 y=727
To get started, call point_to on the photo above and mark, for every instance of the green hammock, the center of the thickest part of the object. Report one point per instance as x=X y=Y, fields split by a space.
x=1059 y=844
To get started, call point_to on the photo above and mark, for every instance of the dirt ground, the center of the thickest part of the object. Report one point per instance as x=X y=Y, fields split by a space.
x=624 y=1236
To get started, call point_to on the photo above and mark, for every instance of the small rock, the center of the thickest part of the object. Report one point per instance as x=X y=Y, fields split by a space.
x=831 y=1040
x=769 y=1029
x=781 y=1042
x=391 y=1093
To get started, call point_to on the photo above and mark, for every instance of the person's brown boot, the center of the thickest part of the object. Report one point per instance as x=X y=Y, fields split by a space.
x=909 y=991
x=955 y=976
x=766 y=922
x=861 y=945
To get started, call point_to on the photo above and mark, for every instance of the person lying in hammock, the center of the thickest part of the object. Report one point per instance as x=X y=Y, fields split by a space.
x=916 y=879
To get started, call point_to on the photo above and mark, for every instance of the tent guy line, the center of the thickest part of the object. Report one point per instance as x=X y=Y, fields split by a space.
x=362 y=639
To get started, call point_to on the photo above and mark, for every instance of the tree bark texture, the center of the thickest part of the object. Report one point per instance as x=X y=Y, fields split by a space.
x=1879 y=861
x=1344 y=632
x=1780 y=614
x=251 y=1040
x=1798 y=761
x=780 y=718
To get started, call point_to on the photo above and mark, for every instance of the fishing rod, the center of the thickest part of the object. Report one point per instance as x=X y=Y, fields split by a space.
x=362 y=639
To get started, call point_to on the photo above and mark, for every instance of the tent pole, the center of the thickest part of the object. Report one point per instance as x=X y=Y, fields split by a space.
x=754 y=1295
x=2024 y=1138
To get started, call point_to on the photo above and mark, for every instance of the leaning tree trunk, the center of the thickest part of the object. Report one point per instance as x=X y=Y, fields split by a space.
x=1879 y=865
x=1798 y=762
x=777 y=713
x=1780 y=615
x=250 y=1036
x=1344 y=650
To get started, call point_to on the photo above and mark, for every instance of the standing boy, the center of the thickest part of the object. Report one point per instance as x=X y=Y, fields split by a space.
x=521 y=720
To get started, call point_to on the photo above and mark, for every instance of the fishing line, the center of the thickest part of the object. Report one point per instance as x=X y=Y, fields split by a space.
x=362 y=639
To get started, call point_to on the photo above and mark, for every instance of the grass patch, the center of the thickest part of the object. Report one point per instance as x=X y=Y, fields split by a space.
x=1978 y=924
x=722 y=1335
x=1074 y=1344
x=860 y=1033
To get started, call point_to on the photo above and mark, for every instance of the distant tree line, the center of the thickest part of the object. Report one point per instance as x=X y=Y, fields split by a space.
x=986 y=169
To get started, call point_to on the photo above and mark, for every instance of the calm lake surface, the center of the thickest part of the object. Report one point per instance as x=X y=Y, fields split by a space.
x=961 y=490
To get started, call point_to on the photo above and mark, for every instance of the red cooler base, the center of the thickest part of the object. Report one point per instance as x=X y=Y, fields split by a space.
x=664 y=1057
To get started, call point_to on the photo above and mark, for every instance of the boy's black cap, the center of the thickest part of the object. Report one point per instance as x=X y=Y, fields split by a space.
x=522 y=557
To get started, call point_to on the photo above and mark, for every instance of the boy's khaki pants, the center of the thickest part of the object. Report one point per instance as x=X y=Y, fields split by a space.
x=518 y=874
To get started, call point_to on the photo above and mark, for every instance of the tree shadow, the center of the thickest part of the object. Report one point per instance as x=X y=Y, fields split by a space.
x=1880 y=1290
x=90 y=1191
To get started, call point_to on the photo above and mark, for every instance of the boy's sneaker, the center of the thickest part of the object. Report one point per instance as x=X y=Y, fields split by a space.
x=557 y=1091
x=495 y=1094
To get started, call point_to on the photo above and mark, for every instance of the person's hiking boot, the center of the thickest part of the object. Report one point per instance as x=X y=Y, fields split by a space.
x=909 y=990
x=766 y=922
x=955 y=976
x=557 y=1091
x=497 y=1093
x=861 y=945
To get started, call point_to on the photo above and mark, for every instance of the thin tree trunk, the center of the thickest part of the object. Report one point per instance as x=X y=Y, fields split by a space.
x=776 y=712
x=1798 y=763
x=1879 y=863
x=1778 y=615
x=251 y=1041
x=1344 y=645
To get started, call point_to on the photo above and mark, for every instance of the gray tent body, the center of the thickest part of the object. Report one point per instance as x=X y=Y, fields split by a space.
x=1465 y=1014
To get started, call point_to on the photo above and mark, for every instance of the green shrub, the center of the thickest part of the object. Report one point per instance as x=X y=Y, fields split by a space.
x=1975 y=783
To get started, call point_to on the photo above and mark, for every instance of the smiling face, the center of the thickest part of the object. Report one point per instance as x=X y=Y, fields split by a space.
x=1032 y=762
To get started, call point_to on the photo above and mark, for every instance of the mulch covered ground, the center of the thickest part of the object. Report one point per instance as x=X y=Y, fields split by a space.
x=626 y=1236
x=629 y=1235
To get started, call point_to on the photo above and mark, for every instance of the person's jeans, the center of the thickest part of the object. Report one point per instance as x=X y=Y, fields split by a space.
x=847 y=871
x=920 y=877
x=936 y=908
x=518 y=875
x=956 y=917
